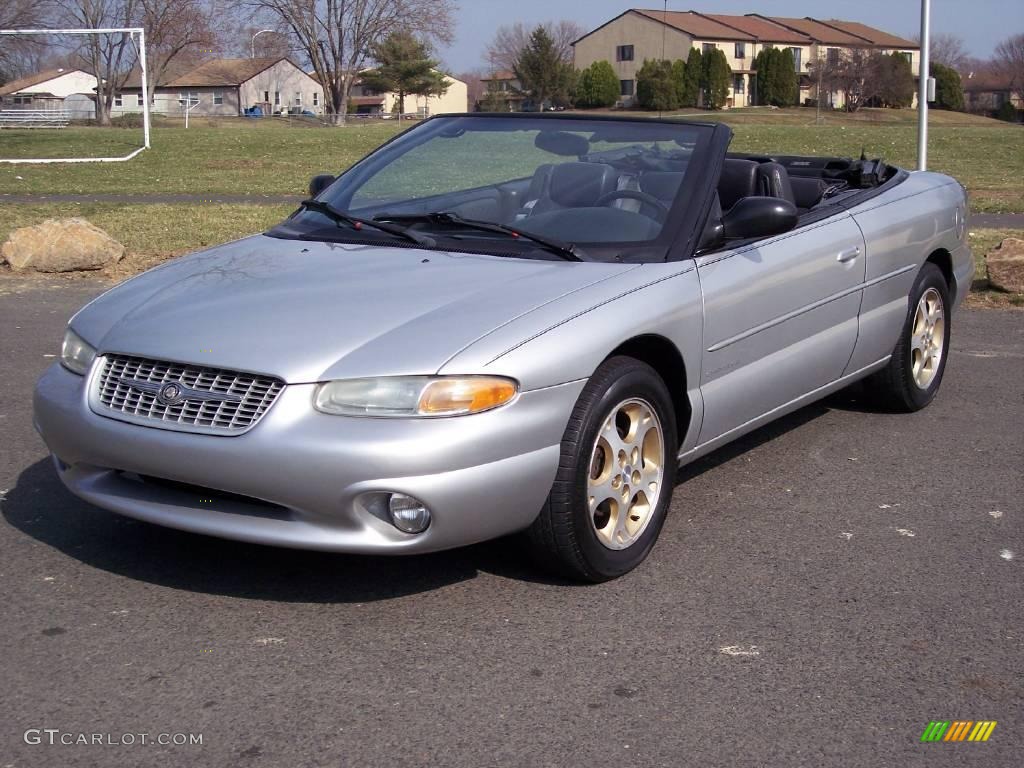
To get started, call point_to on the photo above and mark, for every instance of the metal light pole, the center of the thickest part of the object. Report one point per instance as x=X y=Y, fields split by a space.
x=252 y=44
x=922 y=89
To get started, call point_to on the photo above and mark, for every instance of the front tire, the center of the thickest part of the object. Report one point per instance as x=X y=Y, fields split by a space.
x=912 y=377
x=615 y=477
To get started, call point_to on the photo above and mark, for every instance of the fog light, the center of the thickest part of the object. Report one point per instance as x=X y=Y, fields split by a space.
x=408 y=515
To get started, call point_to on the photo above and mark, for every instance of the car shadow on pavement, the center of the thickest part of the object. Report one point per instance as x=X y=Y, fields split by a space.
x=40 y=507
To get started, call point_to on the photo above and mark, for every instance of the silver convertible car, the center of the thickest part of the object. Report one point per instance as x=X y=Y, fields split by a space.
x=504 y=323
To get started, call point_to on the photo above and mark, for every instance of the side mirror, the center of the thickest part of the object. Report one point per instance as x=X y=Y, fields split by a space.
x=319 y=183
x=757 y=217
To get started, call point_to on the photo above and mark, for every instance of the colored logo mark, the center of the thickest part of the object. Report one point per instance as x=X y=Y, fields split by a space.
x=958 y=730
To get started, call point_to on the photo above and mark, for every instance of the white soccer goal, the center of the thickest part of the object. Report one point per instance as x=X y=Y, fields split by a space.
x=59 y=118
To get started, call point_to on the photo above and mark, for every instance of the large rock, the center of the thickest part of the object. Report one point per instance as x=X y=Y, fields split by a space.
x=61 y=245
x=1006 y=266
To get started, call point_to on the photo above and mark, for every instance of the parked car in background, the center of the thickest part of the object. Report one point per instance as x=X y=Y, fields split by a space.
x=504 y=323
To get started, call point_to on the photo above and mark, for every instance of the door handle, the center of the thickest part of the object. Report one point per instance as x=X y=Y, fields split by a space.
x=849 y=254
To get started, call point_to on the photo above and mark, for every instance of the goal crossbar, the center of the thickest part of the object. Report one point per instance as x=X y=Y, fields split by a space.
x=144 y=82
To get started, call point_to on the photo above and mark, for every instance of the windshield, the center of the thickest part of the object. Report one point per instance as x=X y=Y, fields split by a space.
x=574 y=182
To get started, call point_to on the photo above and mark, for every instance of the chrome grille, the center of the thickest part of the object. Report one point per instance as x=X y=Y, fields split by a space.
x=112 y=395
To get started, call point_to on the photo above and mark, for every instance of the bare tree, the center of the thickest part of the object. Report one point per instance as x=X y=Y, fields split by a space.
x=1009 y=62
x=107 y=56
x=175 y=29
x=948 y=50
x=338 y=35
x=510 y=40
x=17 y=53
x=475 y=86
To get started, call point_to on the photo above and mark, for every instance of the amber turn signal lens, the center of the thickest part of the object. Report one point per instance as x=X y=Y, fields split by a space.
x=453 y=397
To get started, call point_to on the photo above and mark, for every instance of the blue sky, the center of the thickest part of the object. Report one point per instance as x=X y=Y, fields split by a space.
x=981 y=23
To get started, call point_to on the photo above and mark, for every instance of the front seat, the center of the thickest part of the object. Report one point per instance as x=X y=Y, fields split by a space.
x=576 y=185
x=773 y=181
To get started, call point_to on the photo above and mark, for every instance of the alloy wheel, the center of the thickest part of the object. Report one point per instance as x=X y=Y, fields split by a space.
x=627 y=470
x=928 y=338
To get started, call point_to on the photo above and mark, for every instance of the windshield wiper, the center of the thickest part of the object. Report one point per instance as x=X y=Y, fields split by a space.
x=340 y=216
x=567 y=251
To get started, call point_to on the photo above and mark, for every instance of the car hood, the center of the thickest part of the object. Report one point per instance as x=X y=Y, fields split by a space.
x=311 y=311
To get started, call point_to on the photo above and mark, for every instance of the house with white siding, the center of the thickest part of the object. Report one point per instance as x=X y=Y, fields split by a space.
x=46 y=90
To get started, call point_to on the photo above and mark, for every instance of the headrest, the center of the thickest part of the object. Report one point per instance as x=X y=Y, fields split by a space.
x=773 y=181
x=664 y=185
x=738 y=180
x=581 y=185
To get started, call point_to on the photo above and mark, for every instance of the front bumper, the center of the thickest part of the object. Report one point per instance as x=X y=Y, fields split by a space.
x=482 y=476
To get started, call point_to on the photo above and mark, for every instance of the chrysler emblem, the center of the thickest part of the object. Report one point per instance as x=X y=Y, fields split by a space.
x=169 y=394
x=175 y=392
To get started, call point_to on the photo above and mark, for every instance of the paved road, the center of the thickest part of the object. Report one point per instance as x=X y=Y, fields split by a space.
x=821 y=591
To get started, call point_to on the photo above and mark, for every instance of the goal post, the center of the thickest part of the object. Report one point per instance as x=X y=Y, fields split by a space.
x=133 y=32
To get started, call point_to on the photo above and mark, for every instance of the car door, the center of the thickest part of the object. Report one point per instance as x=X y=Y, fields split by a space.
x=780 y=320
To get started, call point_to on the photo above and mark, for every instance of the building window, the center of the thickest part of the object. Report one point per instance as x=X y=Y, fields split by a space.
x=624 y=53
x=741 y=50
x=832 y=56
x=797 y=58
x=738 y=84
x=140 y=100
x=188 y=98
x=316 y=98
x=22 y=99
x=218 y=97
x=908 y=56
x=277 y=98
x=626 y=87
x=118 y=101
x=298 y=98
x=266 y=97
x=708 y=47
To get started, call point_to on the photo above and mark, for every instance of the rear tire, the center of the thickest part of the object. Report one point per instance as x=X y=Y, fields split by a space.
x=911 y=379
x=615 y=476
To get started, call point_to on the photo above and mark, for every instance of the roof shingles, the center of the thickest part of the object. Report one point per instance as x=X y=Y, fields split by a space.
x=27 y=82
x=755 y=27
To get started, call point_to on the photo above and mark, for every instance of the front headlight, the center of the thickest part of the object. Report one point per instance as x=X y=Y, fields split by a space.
x=405 y=396
x=75 y=353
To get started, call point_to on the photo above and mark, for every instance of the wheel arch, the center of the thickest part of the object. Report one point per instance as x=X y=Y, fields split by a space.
x=943 y=259
x=667 y=361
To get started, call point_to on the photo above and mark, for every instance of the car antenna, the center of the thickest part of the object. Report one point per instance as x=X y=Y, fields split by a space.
x=863 y=154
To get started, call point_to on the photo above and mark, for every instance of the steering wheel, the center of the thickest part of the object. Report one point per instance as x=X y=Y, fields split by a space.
x=636 y=194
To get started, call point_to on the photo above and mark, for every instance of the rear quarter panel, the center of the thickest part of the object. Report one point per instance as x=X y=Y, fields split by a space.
x=902 y=227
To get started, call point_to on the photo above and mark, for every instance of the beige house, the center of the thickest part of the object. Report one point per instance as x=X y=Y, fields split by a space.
x=229 y=87
x=504 y=87
x=638 y=34
x=366 y=101
x=46 y=90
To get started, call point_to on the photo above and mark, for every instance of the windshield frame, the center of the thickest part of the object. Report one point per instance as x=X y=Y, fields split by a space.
x=684 y=210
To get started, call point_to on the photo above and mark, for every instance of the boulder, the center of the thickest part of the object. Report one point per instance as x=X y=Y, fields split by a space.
x=61 y=245
x=1006 y=266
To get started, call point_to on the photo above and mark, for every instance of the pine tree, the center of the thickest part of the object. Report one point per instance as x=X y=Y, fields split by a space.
x=692 y=78
x=679 y=81
x=606 y=89
x=543 y=72
x=716 y=80
x=787 y=81
x=949 y=92
x=655 y=88
x=404 y=67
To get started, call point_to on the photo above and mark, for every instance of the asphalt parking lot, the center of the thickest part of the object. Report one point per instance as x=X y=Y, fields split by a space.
x=821 y=591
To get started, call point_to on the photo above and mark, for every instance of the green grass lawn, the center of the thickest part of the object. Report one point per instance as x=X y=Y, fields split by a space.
x=257 y=158
x=266 y=158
